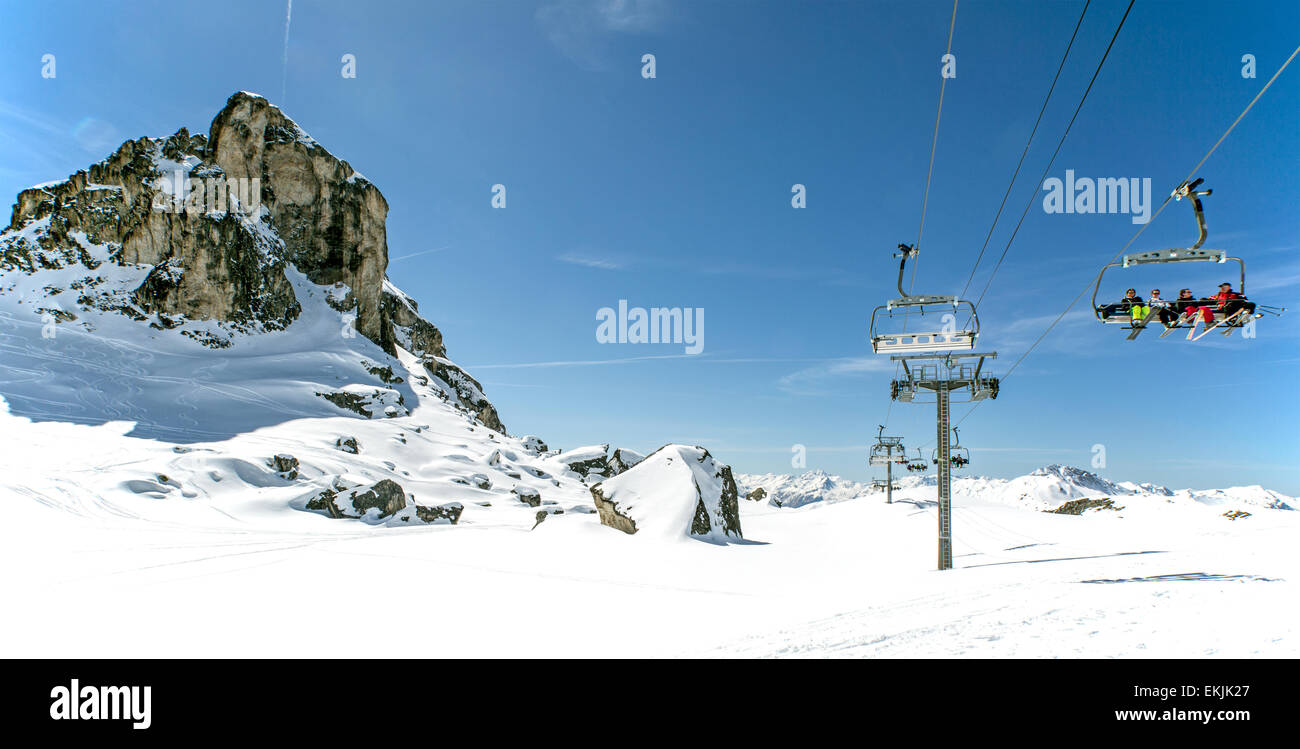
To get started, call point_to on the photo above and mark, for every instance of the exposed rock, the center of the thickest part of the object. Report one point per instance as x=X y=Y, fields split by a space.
x=623 y=459
x=385 y=373
x=1080 y=506
x=205 y=265
x=528 y=495
x=368 y=402
x=386 y=496
x=324 y=502
x=590 y=461
x=677 y=491
x=294 y=203
x=348 y=445
x=467 y=391
x=286 y=465
x=758 y=495
x=543 y=514
x=533 y=444
x=412 y=332
x=330 y=218
x=449 y=512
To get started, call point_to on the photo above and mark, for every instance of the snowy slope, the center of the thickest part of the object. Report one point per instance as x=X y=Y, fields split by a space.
x=155 y=403
x=163 y=497
x=234 y=572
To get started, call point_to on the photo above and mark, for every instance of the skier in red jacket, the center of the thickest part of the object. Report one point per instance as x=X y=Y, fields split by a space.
x=1230 y=302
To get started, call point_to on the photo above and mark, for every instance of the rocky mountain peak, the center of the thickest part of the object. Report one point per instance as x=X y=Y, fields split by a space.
x=221 y=228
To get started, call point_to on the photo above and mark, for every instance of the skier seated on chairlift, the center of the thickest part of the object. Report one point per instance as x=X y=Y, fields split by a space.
x=1185 y=309
x=1131 y=305
x=1162 y=307
x=1231 y=302
x=959 y=461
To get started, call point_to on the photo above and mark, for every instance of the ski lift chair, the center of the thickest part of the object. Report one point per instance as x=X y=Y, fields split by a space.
x=1193 y=254
x=946 y=338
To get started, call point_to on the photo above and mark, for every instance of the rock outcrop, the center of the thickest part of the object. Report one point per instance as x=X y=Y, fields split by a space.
x=213 y=228
x=1080 y=506
x=624 y=459
x=330 y=218
x=203 y=265
x=386 y=496
x=676 y=491
x=591 y=461
x=467 y=391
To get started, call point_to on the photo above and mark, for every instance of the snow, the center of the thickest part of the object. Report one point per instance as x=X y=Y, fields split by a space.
x=163 y=574
x=144 y=517
x=662 y=493
x=582 y=454
x=159 y=517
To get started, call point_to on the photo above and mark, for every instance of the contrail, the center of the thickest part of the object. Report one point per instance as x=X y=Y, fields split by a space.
x=284 y=62
x=417 y=254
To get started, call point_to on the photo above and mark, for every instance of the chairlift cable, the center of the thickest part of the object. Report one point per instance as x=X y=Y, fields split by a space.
x=934 y=140
x=1157 y=213
x=1143 y=228
x=1034 y=197
x=1025 y=153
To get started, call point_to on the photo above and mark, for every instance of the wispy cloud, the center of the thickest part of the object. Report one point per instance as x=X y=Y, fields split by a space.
x=591 y=262
x=582 y=29
x=57 y=146
x=1283 y=280
x=582 y=362
x=703 y=358
x=805 y=381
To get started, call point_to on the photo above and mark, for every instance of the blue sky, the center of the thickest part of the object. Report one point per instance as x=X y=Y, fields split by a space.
x=675 y=192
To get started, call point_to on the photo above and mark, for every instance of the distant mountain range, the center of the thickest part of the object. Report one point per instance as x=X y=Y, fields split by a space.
x=1045 y=489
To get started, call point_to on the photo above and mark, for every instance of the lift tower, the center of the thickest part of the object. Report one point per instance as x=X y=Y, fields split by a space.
x=943 y=374
x=885 y=452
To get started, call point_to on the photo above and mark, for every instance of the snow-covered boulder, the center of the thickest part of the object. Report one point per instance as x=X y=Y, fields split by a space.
x=385 y=496
x=533 y=444
x=528 y=495
x=591 y=461
x=449 y=512
x=678 y=491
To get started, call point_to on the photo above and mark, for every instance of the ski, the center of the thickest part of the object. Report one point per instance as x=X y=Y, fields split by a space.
x=1224 y=321
x=1231 y=328
x=1140 y=325
x=1178 y=321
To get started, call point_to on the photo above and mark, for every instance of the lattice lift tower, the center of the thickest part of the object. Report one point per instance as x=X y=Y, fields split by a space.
x=934 y=367
x=943 y=374
x=886 y=452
